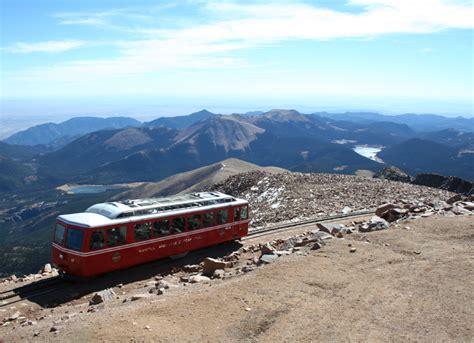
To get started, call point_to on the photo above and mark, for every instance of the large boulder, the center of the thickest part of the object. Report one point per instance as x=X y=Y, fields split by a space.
x=459 y=210
x=210 y=265
x=332 y=228
x=383 y=209
x=454 y=198
x=102 y=296
x=390 y=212
x=268 y=258
x=47 y=268
x=267 y=249
x=468 y=205
x=288 y=244
x=319 y=236
x=393 y=174
x=377 y=223
x=198 y=278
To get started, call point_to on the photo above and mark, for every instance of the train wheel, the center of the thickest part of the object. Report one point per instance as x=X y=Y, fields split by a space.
x=178 y=256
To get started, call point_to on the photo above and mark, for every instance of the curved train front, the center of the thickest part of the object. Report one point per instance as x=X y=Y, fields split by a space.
x=91 y=243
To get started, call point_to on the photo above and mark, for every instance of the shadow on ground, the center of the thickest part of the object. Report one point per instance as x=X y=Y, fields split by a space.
x=53 y=292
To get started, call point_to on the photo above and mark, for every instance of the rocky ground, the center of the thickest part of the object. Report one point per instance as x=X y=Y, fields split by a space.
x=410 y=282
x=295 y=196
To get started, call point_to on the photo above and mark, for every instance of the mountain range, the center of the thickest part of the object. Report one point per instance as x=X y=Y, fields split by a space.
x=283 y=138
x=151 y=151
x=52 y=134
x=418 y=122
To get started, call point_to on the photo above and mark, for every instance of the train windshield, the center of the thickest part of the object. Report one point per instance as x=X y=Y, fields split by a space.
x=74 y=239
x=59 y=234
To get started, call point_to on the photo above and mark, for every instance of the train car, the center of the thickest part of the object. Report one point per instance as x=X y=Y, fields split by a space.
x=117 y=235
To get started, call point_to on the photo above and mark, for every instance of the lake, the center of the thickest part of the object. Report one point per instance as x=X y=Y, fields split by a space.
x=369 y=152
x=88 y=189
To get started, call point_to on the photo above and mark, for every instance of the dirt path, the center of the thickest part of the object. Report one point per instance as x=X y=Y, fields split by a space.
x=399 y=285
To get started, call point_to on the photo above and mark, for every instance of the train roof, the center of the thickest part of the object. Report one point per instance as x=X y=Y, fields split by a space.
x=118 y=212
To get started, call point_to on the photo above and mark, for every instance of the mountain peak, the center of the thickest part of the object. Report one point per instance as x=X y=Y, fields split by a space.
x=202 y=112
x=228 y=132
x=285 y=115
x=181 y=122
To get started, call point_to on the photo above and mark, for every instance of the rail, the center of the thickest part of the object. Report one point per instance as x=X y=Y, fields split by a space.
x=56 y=283
x=282 y=227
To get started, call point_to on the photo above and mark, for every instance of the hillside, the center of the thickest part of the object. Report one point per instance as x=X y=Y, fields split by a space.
x=98 y=148
x=63 y=133
x=197 y=180
x=21 y=152
x=417 y=156
x=14 y=175
x=452 y=138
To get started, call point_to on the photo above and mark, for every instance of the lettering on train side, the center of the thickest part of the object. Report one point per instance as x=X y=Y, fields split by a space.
x=146 y=249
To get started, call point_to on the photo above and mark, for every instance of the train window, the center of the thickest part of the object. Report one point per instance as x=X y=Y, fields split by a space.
x=178 y=225
x=97 y=240
x=59 y=234
x=194 y=222
x=222 y=216
x=74 y=239
x=243 y=212
x=161 y=228
x=208 y=219
x=116 y=236
x=236 y=214
x=142 y=231
x=125 y=215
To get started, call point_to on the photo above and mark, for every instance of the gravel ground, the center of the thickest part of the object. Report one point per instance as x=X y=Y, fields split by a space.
x=398 y=285
x=294 y=196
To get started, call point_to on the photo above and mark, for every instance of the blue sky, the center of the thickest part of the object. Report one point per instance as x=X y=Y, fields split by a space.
x=123 y=57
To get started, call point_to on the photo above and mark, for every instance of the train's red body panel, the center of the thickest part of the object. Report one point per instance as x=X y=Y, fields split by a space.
x=118 y=235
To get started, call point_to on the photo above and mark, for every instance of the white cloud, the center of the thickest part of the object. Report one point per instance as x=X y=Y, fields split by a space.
x=278 y=22
x=47 y=46
x=238 y=26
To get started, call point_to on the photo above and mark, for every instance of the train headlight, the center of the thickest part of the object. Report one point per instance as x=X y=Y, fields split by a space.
x=61 y=256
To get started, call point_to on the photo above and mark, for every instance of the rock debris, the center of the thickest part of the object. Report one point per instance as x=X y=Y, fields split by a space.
x=295 y=196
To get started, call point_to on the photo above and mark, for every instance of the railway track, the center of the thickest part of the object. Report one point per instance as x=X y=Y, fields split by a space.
x=42 y=287
x=283 y=227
